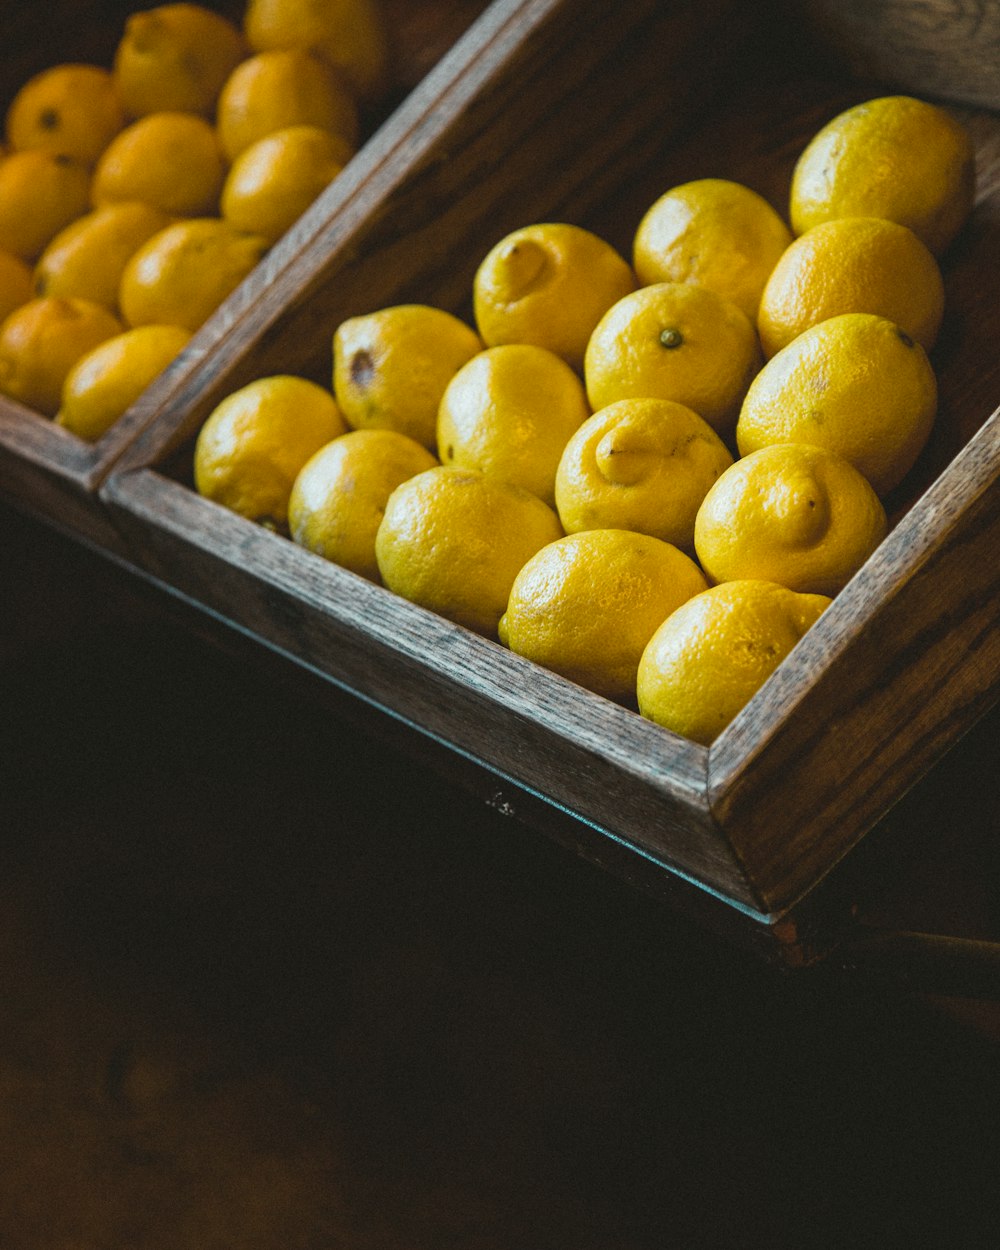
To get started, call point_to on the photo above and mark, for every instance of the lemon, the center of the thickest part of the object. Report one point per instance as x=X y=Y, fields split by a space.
x=16 y=283
x=255 y=443
x=852 y=265
x=274 y=90
x=453 y=540
x=714 y=233
x=69 y=110
x=169 y=160
x=175 y=58
x=110 y=378
x=350 y=34
x=674 y=341
x=391 y=367
x=183 y=273
x=548 y=285
x=586 y=605
x=509 y=412
x=42 y=340
x=40 y=193
x=711 y=656
x=790 y=513
x=88 y=257
x=856 y=384
x=339 y=498
x=273 y=182
x=894 y=157
x=639 y=464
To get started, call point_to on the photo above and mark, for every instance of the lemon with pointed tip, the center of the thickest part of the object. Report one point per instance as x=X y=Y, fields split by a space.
x=895 y=157
x=548 y=285
x=856 y=384
x=715 y=233
x=710 y=657
x=170 y=160
x=509 y=412
x=586 y=605
x=256 y=441
x=340 y=496
x=105 y=382
x=676 y=341
x=40 y=194
x=391 y=367
x=70 y=110
x=639 y=464
x=852 y=265
x=453 y=540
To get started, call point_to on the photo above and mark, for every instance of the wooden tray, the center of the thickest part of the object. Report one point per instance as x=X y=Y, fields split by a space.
x=569 y=110
x=42 y=467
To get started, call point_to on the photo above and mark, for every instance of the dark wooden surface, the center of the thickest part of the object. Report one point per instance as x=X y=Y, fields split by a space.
x=258 y=998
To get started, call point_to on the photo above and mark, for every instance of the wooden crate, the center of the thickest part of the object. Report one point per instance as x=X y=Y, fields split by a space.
x=571 y=110
x=43 y=468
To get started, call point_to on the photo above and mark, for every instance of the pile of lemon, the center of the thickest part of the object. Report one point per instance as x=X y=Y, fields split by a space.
x=649 y=477
x=134 y=199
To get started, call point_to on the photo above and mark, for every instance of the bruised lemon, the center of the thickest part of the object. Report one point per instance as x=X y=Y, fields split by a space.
x=548 y=285
x=895 y=157
x=639 y=464
x=16 y=283
x=256 y=441
x=170 y=160
x=391 y=367
x=790 y=513
x=88 y=257
x=175 y=58
x=509 y=412
x=183 y=273
x=339 y=497
x=856 y=384
x=105 y=382
x=709 y=658
x=273 y=182
x=676 y=341
x=586 y=605
x=40 y=193
x=714 y=233
x=852 y=265
x=70 y=110
x=274 y=90
x=42 y=340
x=453 y=540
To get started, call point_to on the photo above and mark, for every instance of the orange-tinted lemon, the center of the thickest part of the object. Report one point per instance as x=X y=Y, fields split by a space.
x=70 y=110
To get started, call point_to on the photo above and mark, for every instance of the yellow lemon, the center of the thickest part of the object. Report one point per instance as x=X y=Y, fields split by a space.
x=40 y=193
x=894 y=157
x=639 y=464
x=88 y=257
x=856 y=384
x=183 y=273
x=509 y=412
x=852 y=265
x=790 y=513
x=453 y=540
x=16 y=283
x=339 y=498
x=169 y=160
x=42 y=340
x=274 y=90
x=350 y=34
x=674 y=341
x=110 y=378
x=69 y=110
x=391 y=367
x=586 y=605
x=175 y=58
x=273 y=182
x=549 y=285
x=714 y=233
x=711 y=656
x=256 y=441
